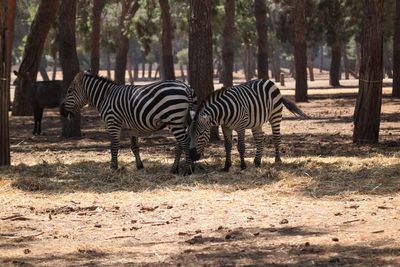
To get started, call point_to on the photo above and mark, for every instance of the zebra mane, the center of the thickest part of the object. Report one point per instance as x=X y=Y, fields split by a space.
x=212 y=95
x=99 y=77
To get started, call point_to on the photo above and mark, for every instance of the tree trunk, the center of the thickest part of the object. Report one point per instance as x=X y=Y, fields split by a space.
x=136 y=71
x=345 y=62
x=54 y=75
x=227 y=48
x=276 y=59
x=149 y=74
x=321 y=62
x=368 y=106
x=182 y=73
x=334 y=73
x=122 y=51
x=300 y=53
x=310 y=63
x=68 y=59
x=33 y=52
x=396 y=53
x=108 y=59
x=167 y=69
x=260 y=8
x=12 y=8
x=358 y=58
x=95 y=41
x=4 y=87
x=130 y=74
x=200 y=51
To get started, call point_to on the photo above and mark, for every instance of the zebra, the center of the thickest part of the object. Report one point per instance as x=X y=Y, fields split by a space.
x=139 y=110
x=245 y=106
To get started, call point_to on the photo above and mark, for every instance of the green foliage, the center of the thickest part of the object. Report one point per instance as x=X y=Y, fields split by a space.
x=147 y=24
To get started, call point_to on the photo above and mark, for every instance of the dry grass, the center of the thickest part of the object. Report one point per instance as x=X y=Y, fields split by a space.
x=61 y=201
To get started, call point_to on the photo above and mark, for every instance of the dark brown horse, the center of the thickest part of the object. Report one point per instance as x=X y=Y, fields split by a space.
x=46 y=94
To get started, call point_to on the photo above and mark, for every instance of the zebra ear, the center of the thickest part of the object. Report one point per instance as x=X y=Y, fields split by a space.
x=192 y=114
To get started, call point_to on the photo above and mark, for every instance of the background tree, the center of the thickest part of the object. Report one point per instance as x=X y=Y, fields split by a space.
x=227 y=49
x=167 y=59
x=200 y=51
x=300 y=51
x=260 y=7
x=68 y=59
x=200 y=48
x=396 y=53
x=368 y=107
x=128 y=12
x=4 y=91
x=33 y=52
x=95 y=40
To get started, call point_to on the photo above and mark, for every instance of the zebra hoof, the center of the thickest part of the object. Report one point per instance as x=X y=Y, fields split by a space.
x=257 y=163
x=174 y=170
x=139 y=166
x=225 y=169
x=278 y=160
x=113 y=166
x=243 y=166
x=188 y=172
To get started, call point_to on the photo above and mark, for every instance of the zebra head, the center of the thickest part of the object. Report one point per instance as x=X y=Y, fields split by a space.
x=199 y=132
x=75 y=98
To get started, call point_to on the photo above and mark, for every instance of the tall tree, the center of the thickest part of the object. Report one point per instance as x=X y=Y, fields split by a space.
x=260 y=9
x=4 y=92
x=12 y=8
x=95 y=40
x=167 y=68
x=128 y=12
x=200 y=51
x=300 y=50
x=33 y=52
x=200 y=48
x=368 y=107
x=227 y=47
x=68 y=59
x=396 y=53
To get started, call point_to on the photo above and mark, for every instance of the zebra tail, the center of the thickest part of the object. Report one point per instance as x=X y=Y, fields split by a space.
x=293 y=108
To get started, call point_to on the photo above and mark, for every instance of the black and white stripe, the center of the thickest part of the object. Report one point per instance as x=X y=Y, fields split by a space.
x=139 y=109
x=245 y=106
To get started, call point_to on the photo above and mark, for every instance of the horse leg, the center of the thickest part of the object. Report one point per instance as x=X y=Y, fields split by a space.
x=115 y=133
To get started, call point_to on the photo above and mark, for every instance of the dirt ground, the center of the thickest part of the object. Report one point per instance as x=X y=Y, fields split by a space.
x=329 y=203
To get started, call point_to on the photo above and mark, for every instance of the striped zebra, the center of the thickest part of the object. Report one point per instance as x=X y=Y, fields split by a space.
x=245 y=106
x=138 y=109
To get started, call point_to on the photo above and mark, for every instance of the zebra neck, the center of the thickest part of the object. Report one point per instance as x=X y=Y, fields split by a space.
x=97 y=89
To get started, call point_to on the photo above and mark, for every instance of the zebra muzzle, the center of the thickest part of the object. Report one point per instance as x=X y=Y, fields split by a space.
x=193 y=154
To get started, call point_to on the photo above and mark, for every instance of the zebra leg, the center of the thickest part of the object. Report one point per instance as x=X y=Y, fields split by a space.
x=183 y=141
x=259 y=139
x=241 y=147
x=135 y=150
x=228 y=148
x=276 y=137
x=178 y=152
x=115 y=133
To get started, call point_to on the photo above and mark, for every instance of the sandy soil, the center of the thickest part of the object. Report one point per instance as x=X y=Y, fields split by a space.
x=329 y=203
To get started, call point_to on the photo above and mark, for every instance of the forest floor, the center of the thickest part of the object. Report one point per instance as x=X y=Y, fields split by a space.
x=329 y=203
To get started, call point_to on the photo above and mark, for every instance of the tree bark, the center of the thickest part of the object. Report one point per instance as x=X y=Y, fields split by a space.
x=128 y=12
x=368 y=106
x=396 y=53
x=321 y=62
x=227 y=48
x=260 y=7
x=334 y=73
x=33 y=52
x=200 y=51
x=310 y=63
x=4 y=87
x=12 y=8
x=345 y=62
x=95 y=40
x=200 y=48
x=167 y=69
x=68 y=59
x=300 y=53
